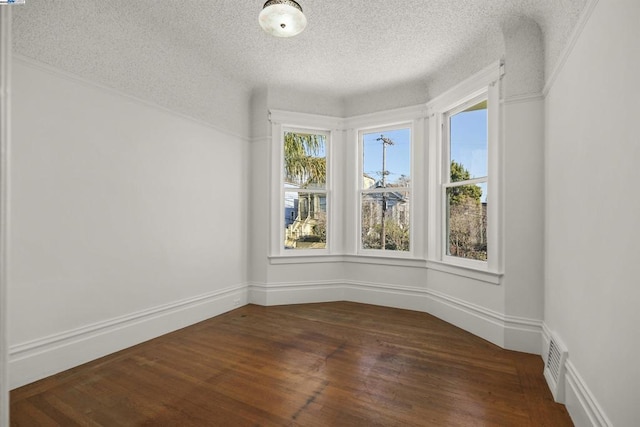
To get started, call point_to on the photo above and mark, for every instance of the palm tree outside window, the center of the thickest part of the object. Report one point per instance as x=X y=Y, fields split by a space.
x=305 y=189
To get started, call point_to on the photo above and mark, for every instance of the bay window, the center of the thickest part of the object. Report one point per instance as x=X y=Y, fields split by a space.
x=397 y=187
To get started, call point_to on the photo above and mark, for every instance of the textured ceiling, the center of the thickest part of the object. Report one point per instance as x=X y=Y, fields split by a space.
x=348 y=48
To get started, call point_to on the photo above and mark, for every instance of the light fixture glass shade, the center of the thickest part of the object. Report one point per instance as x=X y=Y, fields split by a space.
x=282 y=18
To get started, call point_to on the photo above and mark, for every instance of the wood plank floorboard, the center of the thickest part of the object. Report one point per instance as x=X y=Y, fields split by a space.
x=328 y=364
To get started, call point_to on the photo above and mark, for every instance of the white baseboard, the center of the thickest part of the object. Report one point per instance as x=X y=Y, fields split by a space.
x=38 y=359
x=295 y=293
x=512 y=333
x=385 y=295
x=546 y=339
x=522 y=334
x=580 y=402
x=509 y=332
x=47 y=356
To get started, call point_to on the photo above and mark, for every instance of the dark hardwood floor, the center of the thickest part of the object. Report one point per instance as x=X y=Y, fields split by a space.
x=330 y=364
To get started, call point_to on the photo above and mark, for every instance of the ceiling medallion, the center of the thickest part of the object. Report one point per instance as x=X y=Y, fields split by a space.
x=282 y=18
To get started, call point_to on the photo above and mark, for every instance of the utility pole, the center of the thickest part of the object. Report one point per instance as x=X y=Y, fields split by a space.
x=385 y=141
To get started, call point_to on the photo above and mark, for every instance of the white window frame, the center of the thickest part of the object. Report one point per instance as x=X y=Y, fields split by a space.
x=483 y=85
x=360 y=191
x=414 y=117
x=284 y=121
x=343 y=233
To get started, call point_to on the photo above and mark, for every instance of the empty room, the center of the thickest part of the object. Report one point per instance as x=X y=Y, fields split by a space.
x=319 y=212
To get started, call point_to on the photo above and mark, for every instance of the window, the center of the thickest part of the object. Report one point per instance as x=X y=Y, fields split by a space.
x=464 y=177
x=385 y=190
x=304 y=160
x=465 y=183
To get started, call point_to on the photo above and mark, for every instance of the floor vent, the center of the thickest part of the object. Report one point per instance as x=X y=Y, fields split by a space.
x=554 y=368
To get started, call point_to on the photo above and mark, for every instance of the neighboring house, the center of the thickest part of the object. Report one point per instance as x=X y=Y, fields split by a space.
x=304 y=219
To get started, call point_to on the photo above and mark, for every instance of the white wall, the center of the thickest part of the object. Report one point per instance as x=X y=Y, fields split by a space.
x=5 y=137
x=592 y=291
x=127 y=221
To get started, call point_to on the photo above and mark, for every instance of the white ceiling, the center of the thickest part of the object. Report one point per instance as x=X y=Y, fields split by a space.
x=348 y=48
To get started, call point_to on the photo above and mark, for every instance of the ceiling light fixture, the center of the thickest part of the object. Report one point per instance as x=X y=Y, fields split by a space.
x=282 y=18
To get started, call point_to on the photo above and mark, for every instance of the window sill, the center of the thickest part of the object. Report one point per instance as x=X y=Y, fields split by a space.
x=469 y=272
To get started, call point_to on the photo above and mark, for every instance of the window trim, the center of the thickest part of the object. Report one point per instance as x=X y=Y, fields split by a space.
x=283 y=121
x=360 y=191
x=342 y=236
x=486 y=83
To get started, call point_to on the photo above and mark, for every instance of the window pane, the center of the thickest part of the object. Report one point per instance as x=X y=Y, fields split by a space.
x=467 y=221
x=468 y=143
x=305 y=160
x=305 y=220
x=386 y=159
x=385 y=221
